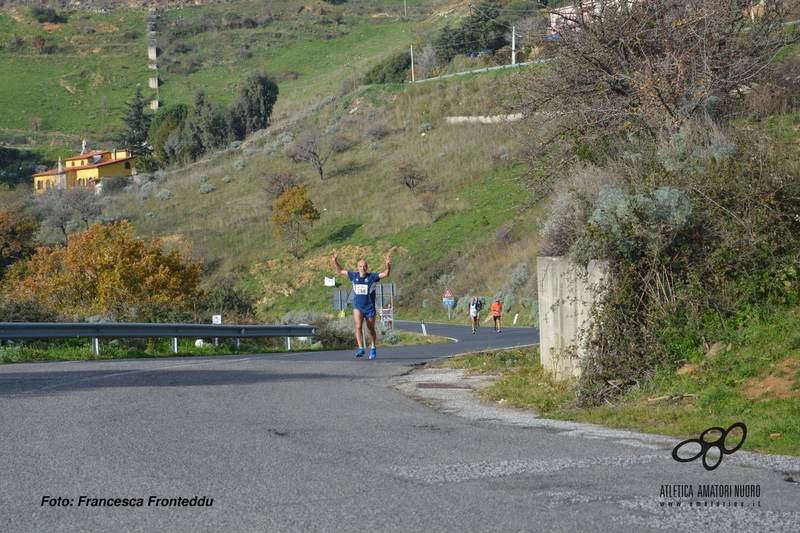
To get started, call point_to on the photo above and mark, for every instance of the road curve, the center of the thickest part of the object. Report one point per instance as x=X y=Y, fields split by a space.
x=323 y=441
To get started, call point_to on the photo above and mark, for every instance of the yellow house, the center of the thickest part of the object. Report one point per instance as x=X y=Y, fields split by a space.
x=85 y=170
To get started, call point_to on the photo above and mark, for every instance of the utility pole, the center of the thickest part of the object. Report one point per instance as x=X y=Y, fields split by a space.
x=405 y=9
x=513 y=46
x=412 y=63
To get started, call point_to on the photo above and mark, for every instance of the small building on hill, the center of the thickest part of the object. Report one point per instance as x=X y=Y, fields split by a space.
x=85 y=170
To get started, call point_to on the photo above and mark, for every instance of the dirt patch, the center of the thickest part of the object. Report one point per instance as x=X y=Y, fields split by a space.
x=105 y=27
x=776 y=385
x=67 y=86
x=49 y=26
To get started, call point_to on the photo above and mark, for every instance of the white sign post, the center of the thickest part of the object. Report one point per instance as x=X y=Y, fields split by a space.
x=216 y=319
x=448 y=301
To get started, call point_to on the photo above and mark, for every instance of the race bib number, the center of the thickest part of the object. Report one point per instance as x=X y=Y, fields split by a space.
x=361 y=290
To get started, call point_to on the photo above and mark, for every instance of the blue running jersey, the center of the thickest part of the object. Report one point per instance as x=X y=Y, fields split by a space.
x=364 y=292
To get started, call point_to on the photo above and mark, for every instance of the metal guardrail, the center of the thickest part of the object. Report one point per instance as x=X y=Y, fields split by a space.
x=120 y=330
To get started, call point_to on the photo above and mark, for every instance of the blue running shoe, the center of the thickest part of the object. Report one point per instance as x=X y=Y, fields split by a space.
x=373 y=353
x=360 y=352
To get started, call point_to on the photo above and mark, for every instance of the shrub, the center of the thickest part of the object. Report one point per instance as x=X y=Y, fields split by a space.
x=26 y=311
x=235 y=304
x=47 y=14
x=207 y=188
x=377 y=129
x=392 y=70
x=164 y=194
x=114 y=184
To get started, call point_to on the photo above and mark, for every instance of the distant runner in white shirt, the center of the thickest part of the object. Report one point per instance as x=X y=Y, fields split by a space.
x=364 y=299
x=473 y=313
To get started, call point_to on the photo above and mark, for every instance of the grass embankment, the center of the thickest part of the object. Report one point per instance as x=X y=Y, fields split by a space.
x=753 y=378
x=92 y=62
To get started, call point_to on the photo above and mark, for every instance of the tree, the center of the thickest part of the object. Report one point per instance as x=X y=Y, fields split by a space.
x=59 y=207
x=408 y=175
x=529 y=31
x=292 y=213
x=276 y=183
x=47 y=14
x=136 y=123
x=108 y=271
x=17 y=236
x=39 y=44
x=253 y=107
x=52 y=210
x=207 y=127
x=16 y=166
x=426 y=61
x=84 y=203
x=428 y=203
x=314 y=147
x=164 y=134
x=635 y=68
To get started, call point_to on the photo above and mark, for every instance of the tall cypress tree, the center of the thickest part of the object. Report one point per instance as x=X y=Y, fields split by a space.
x=136 y=123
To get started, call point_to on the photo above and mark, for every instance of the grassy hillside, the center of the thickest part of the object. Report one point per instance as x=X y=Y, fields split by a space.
x=470 y=244
x=77 y=81
x=315 y=51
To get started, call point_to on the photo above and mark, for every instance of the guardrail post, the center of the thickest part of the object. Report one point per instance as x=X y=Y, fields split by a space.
x=238 y=343
x=289 y=344
x=424 y=331
x=96 y=346
x=174 y=344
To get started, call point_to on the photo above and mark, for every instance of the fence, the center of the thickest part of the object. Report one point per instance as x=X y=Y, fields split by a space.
x=118 y=330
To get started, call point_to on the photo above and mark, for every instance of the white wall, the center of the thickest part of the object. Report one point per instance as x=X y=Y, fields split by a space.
x=566 y=294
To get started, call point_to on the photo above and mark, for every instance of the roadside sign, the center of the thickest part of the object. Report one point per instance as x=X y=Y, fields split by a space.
x=340 y=300
x=448 y=301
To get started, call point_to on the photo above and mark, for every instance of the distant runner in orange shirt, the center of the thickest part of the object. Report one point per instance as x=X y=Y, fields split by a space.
x=497 y=310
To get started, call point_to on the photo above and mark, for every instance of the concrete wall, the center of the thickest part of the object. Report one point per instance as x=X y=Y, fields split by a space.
x=566 y=294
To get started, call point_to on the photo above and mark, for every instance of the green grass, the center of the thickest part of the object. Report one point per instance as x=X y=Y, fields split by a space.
x=363 y=208
x=81 y=89
x=725 y=389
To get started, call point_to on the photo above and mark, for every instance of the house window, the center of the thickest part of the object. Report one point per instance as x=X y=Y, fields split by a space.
x=39 y=185
x=127 y=165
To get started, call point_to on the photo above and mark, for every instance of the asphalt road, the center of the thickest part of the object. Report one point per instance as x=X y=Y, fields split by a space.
x=327 y=442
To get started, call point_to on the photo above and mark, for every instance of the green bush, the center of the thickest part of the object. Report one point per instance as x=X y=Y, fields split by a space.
x=392 y=70
x=115 y=184
x=47 y=14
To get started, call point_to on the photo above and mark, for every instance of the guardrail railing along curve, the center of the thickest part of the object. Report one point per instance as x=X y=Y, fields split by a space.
x=121 y=330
